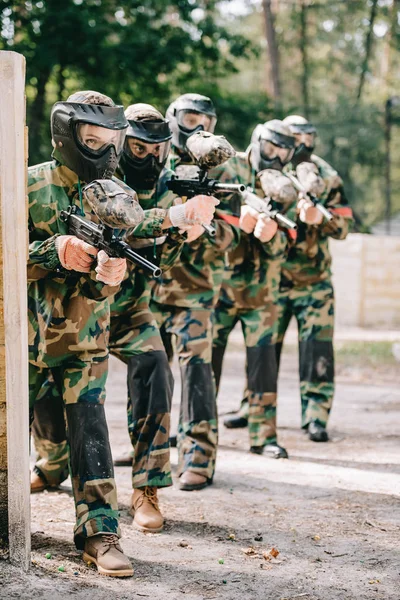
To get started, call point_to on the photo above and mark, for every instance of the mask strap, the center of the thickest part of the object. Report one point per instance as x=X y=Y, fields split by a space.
x=80 y=196
x=253 y=178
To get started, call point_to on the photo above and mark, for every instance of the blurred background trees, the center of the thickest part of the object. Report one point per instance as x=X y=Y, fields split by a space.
x=334 y=61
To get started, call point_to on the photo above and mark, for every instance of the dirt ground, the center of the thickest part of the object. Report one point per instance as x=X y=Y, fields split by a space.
x=331 y=511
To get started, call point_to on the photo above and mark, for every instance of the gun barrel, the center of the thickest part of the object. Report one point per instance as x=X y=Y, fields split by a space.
x=139 y=260
x=285 y=221
x=328 y=215
x=299 y=187
x=229 y=187
x=210 y=230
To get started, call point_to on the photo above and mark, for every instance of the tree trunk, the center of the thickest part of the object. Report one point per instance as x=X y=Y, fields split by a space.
x=387 y=59
x=61 y=82
x=304 y=57
x=368 y=46
x=273 y=51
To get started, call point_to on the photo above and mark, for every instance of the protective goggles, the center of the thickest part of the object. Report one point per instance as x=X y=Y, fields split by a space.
x=270 y=151
x=97 y=139
x=190 y=120
x=308 y=139
x=138 y=149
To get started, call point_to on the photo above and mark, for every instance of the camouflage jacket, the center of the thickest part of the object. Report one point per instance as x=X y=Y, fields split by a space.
x=68 y=312
x=195 y=278
x=135 y=290
x=252 y=275
x=309 y=259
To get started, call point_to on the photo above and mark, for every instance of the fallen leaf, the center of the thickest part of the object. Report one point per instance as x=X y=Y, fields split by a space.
x=249 y=551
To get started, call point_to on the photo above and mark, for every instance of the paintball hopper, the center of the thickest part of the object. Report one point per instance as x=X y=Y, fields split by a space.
x=307 y=174
x=209 y=150
x=277 y=186
x=115 y=206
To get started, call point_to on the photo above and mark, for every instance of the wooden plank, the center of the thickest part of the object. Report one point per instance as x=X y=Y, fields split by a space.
x=13 y=198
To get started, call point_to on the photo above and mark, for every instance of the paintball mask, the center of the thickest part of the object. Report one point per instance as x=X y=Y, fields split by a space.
x=272 y=146
x=147 y=145
x=304 y=134
x=187 y=115
x=88 y=136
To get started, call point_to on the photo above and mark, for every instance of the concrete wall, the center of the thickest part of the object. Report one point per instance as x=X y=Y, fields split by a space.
x=366 y=276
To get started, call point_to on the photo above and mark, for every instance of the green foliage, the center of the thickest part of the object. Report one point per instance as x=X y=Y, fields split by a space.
x=132 y=50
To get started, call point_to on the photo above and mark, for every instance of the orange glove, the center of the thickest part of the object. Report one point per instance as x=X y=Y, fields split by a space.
x=265 y=229
x=74 y=254
x=194 y=232
x=248 y=218
x=199 y=209
x=109 y=270
x=308 y=212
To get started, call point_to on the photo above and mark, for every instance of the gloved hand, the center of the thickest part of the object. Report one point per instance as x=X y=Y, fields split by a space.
x=248 y=218
x=109 y=270
x=194 y=232
x=309 y=213
x=265 y=229
x=199 y=209
x=74 y=254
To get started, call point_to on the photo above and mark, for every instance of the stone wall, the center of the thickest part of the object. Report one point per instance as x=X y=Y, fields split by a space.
x=366 y=276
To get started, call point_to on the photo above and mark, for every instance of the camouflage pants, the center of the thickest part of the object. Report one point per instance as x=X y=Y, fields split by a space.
x=49 y=434
x=259 y=328
x=198 y=428
x=135 y=339
x=82 y=388
x=313 y=308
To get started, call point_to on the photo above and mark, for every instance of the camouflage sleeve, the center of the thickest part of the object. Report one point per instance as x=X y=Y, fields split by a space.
x=93 y=289
x=151 y=226
x=43 y=256
x=276 y=247
x=227 y=234
x=339 y=226
x=171 y=249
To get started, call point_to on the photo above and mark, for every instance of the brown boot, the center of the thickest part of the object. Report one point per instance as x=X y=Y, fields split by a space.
x=105 y=552
x=145 y=510
x=38 y=483
x=124 y=460
x=190 y=481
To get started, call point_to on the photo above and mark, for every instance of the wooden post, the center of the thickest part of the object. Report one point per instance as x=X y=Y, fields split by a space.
x=14 y=410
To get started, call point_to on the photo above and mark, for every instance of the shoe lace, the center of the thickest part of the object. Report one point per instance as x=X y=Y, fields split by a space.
x=108 y=541
x=150 y=493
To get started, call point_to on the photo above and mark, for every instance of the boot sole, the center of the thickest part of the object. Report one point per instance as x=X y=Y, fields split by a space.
x=188 y=487
x=235 y=425
x=145 y=529
x=122 y=463
x=40 y=489
x=107 y=572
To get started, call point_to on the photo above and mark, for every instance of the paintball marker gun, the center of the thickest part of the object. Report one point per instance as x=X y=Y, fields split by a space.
x=317 y=203
x=263 y=206
x=208 y=151
x=103 y=237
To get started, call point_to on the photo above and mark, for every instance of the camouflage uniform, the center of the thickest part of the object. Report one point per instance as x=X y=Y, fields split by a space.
x=182 y=302
x=134 y=339
x=249 y=294
x=306 y=292
x=68 y=316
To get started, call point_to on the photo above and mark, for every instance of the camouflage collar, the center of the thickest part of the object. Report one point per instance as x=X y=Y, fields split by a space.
x=68 y=178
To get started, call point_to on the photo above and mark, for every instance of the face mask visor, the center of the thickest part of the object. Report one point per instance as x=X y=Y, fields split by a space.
x=305 y=139
x=190 y=121
x=139 y=150
x=96 y=140
x=269 y=151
